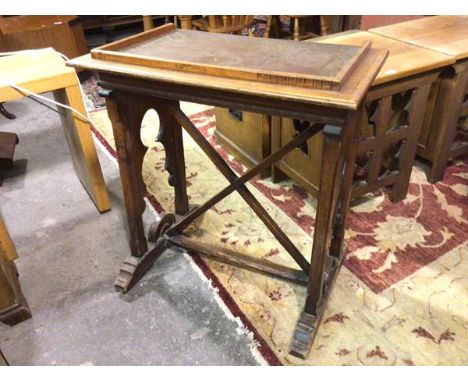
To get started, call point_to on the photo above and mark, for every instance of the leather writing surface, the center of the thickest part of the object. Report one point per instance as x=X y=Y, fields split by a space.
x=266 y=60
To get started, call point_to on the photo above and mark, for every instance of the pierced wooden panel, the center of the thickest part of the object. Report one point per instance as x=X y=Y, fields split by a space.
x=383 y=134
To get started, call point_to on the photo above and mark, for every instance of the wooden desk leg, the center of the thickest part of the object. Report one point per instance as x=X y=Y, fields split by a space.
x=339 y=152
x=346 y=186
x=409 y=146
x=444 y=123
x=82 y=149
x=126 y=115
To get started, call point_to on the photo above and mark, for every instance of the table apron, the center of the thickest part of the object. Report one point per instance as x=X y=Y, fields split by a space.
x=253 y=103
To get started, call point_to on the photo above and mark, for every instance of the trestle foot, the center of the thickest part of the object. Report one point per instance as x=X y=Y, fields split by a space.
x=133 y=268
x=304 y=334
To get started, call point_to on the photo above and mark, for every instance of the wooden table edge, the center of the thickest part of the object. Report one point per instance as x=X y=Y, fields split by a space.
x=88 y=63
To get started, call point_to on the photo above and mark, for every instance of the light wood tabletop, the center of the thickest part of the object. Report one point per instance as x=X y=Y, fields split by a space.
x=38 y=71
x=208 y=68
x=403 y=60
x=349 y=96
x=445 y=34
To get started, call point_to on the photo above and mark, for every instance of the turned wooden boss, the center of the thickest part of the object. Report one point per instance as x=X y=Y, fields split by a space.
x=159 y=68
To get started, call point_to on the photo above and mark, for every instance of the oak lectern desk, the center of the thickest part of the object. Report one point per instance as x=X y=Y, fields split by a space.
x=160 y=67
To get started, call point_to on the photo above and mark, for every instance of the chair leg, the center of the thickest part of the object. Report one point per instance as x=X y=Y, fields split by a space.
x=6 y=113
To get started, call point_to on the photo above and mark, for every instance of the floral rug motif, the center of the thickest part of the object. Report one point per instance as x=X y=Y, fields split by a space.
x=401 y=297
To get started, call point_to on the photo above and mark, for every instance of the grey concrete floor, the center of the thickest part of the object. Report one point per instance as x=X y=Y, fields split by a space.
x=69 y=258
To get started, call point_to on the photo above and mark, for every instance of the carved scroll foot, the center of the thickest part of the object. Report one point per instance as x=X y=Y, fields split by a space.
x=304 y=334
x=133 y=268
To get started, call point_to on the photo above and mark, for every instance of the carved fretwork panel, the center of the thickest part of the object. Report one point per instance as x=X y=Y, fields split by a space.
x=384 y=131
x=461 y=136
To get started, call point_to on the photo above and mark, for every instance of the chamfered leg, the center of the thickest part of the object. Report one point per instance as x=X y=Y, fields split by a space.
x=346 y=185
x=452 y=89
x=408 y=150
x=339 y=151
x=126 y=113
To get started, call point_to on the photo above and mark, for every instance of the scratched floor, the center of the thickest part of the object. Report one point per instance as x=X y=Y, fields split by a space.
x=69 y=257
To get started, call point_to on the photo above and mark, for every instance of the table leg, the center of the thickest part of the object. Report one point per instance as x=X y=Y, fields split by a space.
x=126 y=114
x=81 y=145
x=447 y=111
x=338 y=158
x=409 y=146
x=346 y=186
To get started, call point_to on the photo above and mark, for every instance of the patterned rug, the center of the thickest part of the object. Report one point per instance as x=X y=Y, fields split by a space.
x=401 y=297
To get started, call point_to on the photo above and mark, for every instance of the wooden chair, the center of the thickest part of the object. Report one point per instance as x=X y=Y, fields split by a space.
x=233 y=24
x=298 y=25
x=299 y=31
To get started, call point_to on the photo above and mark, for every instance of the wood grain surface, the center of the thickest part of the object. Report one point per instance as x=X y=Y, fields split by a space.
x=404 y=59
x=445 y=34
x=349 y=96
